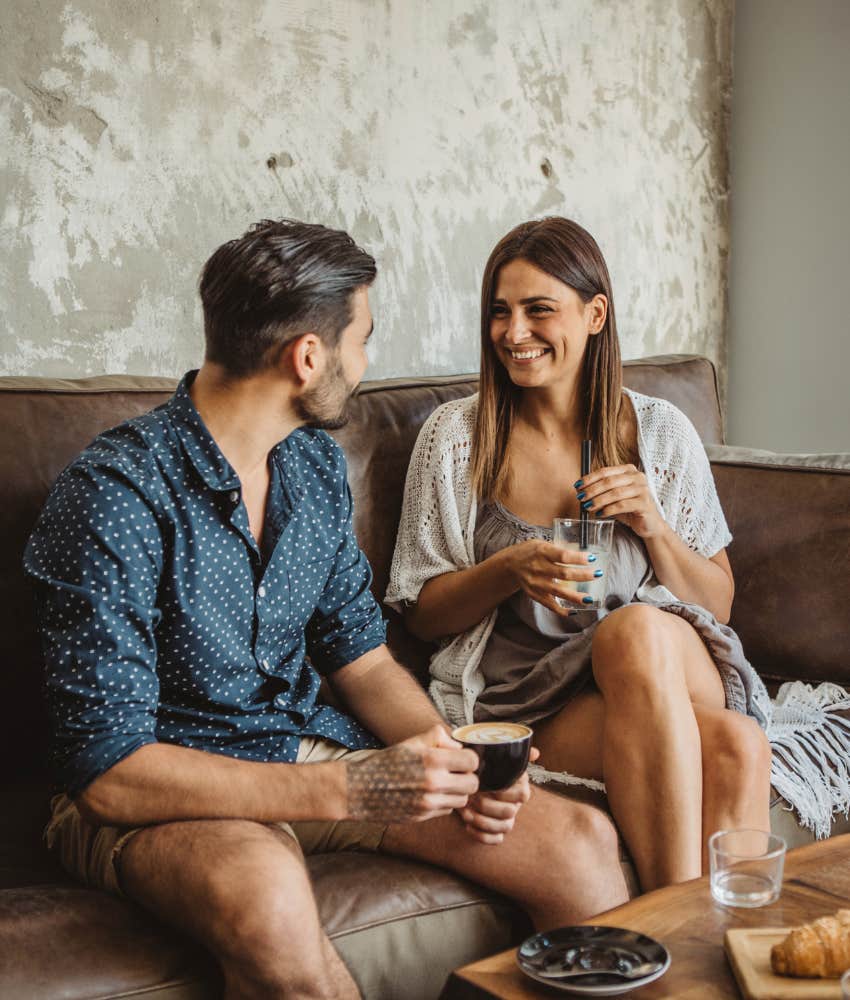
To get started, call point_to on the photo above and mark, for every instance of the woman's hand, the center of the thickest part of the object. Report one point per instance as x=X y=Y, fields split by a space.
x=546 y=571
x=622 y=492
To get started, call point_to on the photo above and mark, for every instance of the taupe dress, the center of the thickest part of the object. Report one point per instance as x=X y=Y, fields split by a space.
x=536 y=661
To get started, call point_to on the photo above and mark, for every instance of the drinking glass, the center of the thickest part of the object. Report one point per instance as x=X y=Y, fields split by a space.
x=570 y=533
x=845 y=986
x=746 y=867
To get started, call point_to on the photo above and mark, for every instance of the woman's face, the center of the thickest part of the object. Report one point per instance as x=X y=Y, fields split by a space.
x=539 y=326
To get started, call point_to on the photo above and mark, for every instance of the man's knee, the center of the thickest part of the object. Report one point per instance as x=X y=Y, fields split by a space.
x=264 y=919
x=237 y=887
x=581 y=834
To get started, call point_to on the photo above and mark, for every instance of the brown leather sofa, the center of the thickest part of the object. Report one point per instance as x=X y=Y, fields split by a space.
x=400 y=926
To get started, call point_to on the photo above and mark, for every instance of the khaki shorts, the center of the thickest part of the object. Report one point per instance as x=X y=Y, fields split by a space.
x=92 y=853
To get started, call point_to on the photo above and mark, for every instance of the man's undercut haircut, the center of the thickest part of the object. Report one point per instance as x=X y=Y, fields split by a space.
x=274 y=283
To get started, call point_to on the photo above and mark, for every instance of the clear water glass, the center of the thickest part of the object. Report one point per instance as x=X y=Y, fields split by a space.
x=845 y=986
x=746 y=867
x=567 y=532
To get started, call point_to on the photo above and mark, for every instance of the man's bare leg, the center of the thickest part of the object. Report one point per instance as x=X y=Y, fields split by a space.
x=242 y=890
x=560 y=863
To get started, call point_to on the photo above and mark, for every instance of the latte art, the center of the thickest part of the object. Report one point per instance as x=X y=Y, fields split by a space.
x=503 y=749
x=491 y=732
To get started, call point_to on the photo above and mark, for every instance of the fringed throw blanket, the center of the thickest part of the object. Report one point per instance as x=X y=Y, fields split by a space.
x=810 y=739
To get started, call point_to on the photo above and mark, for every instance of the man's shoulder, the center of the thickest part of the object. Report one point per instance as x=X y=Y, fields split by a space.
x=319 y=460
x=113 y=484
x=316 y=447
x=131 y=453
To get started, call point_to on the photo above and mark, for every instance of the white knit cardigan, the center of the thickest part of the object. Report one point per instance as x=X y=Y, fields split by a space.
x=436 y=536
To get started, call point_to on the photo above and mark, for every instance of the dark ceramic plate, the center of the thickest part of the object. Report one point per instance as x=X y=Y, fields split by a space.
x=605 y=950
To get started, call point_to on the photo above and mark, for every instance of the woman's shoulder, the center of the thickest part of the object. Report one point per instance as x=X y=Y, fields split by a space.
x=659 y=421
x=644 y=405
x=452 y=421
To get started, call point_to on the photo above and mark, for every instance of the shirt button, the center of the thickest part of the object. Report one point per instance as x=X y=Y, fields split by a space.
x=266 y=665
x=234 y=496
x=261 y=592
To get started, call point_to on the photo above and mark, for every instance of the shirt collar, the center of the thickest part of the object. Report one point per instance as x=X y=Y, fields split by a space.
x=207 y=457
x=198 y=443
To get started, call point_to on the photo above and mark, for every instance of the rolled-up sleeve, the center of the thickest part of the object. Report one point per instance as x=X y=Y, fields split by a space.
x=347 y=622
x=95 y=559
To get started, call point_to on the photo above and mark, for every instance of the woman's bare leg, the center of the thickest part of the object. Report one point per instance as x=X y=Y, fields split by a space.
x=573 y=740
x=734 y=754
x=736 y=769
x=650 y=666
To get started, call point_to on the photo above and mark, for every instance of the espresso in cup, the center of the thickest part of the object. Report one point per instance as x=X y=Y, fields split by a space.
x=503 y=749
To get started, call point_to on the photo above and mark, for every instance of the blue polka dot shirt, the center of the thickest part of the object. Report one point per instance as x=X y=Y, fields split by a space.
x=161 y=619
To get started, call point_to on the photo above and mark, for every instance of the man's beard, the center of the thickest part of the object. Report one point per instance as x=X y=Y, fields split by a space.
x=326 y=406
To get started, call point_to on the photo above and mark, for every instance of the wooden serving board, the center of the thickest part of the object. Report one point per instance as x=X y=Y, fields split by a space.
x=748 y=949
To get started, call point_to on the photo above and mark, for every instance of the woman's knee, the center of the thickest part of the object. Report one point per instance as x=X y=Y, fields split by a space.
x=630 y=648
x=734 y=744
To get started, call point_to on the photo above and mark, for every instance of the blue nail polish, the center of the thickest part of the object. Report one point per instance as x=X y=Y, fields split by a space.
x=582 y=495
x=598 y=573
x=587 y=505
x=578 y=484
x=591 y=558
x=587 y=600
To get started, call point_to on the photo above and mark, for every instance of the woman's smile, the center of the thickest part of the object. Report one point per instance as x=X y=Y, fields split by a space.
x=526 y=355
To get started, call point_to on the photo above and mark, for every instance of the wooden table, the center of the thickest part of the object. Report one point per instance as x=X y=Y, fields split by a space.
x=691 y=925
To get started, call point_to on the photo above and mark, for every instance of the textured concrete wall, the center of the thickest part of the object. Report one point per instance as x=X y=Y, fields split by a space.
x=134 y=138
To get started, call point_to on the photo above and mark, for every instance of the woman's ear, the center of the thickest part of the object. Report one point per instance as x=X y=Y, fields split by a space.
x=597 y=313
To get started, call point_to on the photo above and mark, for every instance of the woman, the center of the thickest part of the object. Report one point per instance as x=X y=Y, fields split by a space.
x=652 y=694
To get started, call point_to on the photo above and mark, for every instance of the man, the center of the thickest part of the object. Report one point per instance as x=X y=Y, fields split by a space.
x=196 y=572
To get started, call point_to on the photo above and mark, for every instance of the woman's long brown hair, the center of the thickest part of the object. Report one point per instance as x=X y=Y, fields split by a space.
x=569 y=253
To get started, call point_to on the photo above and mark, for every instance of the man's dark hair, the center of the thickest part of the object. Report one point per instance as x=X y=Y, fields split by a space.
x=275 y=282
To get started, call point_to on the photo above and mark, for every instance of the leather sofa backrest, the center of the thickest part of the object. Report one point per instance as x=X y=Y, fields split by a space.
x=791 y=561
x=45 y=423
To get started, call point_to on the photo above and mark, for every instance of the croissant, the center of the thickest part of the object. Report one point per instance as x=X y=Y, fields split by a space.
x=821 y=948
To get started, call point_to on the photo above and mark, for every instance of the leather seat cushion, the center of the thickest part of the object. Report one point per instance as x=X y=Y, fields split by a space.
x=383 y=915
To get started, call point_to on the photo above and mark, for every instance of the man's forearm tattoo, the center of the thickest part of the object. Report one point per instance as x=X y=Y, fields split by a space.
x=386 y=787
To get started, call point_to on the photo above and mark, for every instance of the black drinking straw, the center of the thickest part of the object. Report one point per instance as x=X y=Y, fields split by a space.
x=586 y=455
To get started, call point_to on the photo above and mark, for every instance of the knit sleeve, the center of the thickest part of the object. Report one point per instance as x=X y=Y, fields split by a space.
x=431 y=539
x=679 y=473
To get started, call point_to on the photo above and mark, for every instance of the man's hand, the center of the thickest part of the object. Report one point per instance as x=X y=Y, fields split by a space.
x=423 y=777
x=488 y=816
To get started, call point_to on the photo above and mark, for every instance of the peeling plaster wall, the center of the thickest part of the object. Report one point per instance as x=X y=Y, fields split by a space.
x=136 y=138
